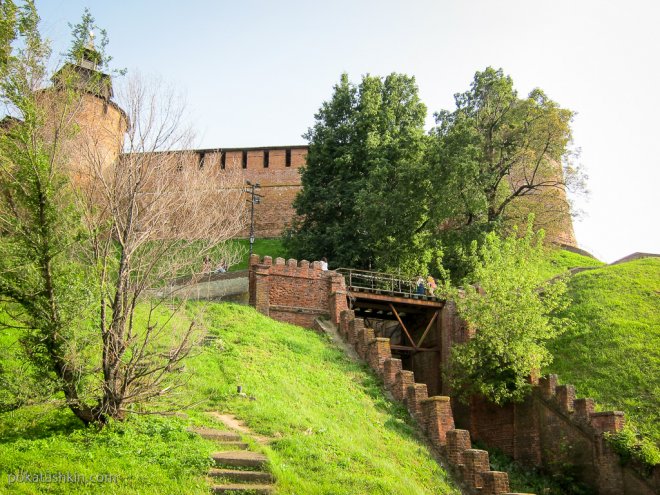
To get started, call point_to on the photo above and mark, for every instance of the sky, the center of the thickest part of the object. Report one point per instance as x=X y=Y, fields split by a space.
x=255 y=72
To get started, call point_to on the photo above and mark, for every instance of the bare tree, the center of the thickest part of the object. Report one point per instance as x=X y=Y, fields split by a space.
x=152 y=215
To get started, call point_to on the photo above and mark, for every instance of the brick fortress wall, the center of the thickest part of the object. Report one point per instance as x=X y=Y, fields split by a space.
x=550 y=428
x=276 y=169
x=295 y=292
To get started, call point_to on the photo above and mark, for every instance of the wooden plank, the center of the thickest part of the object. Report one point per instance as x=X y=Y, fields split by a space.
x=428 y=327
x=403 y=326
x=396 y=347
x=364 y=294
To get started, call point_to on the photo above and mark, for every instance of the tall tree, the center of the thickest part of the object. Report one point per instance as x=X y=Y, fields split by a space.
x=494 y=151
x=43 y=282
x=362 y=202
x=89 y=239
x=326 y=204
x=393 y=203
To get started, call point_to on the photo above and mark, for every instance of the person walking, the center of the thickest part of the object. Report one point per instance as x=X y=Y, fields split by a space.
x=421 y=290
x=430 y=283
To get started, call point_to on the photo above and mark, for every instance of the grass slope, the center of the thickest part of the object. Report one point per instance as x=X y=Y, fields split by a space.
x=560 y=261
x=613 y=353
x=335 y=432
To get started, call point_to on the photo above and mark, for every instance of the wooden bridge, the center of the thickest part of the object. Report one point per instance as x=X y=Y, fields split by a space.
x=384 y=296
x=393 y=308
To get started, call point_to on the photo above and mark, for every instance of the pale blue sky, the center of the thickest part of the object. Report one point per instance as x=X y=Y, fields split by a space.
x=255 y=72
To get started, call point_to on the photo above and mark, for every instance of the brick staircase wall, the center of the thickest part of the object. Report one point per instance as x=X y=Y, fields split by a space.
x=552 y=427
x=433 y=414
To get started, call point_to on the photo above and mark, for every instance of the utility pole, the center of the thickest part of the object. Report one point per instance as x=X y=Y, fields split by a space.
x=254 y=200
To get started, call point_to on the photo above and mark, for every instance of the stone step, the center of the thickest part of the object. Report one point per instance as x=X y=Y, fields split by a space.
x=240 y=458
x=212 y=434
x=238 y=488
x=241 y=476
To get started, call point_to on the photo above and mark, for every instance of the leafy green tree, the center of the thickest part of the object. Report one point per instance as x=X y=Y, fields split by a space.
x=393 y=202
x=513 y=318
x=330 y=181
x=494 y=150
x=365 y=184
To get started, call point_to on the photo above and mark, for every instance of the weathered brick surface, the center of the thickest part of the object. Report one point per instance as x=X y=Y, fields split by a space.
x=609 y=421
x=458 y=441
x=548 y=386
x=378 y=352
x=566 y=397
x=438 y=419
x=494 y=483
x=391 y=367
x=365 y=335
x=475 y=463
x=416 y=394
x=608 y=467
x=584 y=408
x=527 y=433
x=402 y=381
x=492 y=424
x=294 y=292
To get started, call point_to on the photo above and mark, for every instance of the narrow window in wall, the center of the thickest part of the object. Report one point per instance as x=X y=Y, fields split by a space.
x=266 y=159
x=202 y=157
x=287 y=158
x=244 y=159
x=223 y=159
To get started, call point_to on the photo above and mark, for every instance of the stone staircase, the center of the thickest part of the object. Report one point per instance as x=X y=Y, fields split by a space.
x=236 y=469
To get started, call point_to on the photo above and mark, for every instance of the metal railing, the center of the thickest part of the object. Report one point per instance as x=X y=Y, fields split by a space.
x=377 y=281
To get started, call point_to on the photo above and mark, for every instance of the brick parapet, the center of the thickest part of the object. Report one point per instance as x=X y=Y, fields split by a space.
x=548 y=386
x=566 y=397
x=494 y=483
x=391 y=367
x=364 y=336
x=433 y=414
x=609 y=475
x=475 y=462
x=345 y=316
x=295 y=291
x=458 y=441
x=378 y=352
x=609 y=421
x=584 y=408
x=437 y=419
x=417 y=393
x=402 y=381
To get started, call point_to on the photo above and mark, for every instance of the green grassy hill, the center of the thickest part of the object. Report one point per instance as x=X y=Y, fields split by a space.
x=559 y=261
x=334 y=430
x=613 y=353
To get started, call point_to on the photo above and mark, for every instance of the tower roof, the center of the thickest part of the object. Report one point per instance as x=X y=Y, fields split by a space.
x=84 y=74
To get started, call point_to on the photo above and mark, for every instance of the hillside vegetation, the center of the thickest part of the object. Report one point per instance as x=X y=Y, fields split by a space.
x=334 y=431
x=613 y=353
